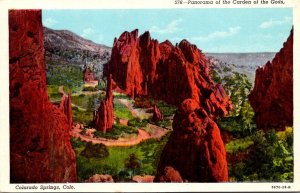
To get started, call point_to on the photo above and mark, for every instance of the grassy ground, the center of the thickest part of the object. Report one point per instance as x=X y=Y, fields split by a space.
x=148 y=153
x=121 y=111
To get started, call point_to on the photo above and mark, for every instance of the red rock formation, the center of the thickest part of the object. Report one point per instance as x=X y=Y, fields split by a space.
x=104 y=118
x=195 y=148
x=66 y=106
x=157 y=115
x=169 y=174
x=40 y=149
x=141 y=66
x=88 y=74
x=272 y=95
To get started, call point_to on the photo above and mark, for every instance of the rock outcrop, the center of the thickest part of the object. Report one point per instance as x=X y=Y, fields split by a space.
x=272 y=95
x=66 y=106
x=88 y=74
x=157 y=115
x=195 y=148
x=142 y=66
x=100 y=178
x=40 y=148
x=104 y=118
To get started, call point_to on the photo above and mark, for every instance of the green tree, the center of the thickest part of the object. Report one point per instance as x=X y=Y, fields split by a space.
x=132 y=163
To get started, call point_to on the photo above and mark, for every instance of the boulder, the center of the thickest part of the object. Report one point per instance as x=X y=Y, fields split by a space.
x=195 y=148
x=40 y=148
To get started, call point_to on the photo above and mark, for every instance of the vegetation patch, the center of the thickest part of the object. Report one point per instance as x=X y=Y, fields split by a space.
x=148 y=152
x=90 y=88
x=64 y=75
x=270 y=158
x=95 y=150
x=240 y=122
x=238 y=145
x=117 y=132
x=121 y=111
x=89 y=102
x=82 y=116
x=137 y=122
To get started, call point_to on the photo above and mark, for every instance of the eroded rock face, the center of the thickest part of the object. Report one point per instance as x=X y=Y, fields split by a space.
x=195 y=148
x=66 y=106
x=40 y=149
x=272 y=95
x=143 y=67
x=157 y=115
x=104 y=118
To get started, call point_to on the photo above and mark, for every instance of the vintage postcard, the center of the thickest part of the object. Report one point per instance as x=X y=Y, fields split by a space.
x=138 y=96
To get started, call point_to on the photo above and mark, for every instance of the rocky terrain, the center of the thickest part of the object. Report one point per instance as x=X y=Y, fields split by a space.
x=63 y=47
x=143 y=67
x=40 y=148
x=272 y=95
x=179 y=75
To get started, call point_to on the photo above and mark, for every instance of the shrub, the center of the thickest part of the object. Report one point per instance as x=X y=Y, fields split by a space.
x=77 y=143
x=95 y=150
x=137 y=122
x=164 y=123
x=269 y=159
x=117 y=132
x=89 y=88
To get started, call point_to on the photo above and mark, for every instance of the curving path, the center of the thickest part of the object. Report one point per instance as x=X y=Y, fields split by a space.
x=156 y=133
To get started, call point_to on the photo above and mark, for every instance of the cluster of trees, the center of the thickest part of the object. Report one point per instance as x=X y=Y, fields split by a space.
x=240 y=121
x=269 y=155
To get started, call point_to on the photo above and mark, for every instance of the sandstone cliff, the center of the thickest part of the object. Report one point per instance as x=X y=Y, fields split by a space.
x=272 y=95
x=142 y=66
x=40 y=149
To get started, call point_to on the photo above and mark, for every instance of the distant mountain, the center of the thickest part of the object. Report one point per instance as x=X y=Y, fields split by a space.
x=245 y=63
x=63 y=47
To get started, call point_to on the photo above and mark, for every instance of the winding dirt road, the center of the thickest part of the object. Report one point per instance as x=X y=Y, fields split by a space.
x=156 y=133
x=153 y=131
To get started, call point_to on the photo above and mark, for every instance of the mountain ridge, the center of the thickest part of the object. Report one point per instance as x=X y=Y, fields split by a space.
x=64 y=47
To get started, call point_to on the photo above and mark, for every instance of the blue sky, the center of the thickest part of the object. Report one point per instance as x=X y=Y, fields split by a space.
x=212 y=30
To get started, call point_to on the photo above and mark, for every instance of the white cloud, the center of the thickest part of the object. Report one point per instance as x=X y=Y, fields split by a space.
x=49 y=22
x=87 y=31
x=219 y=34
x=171 y=27
x=273 y=22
